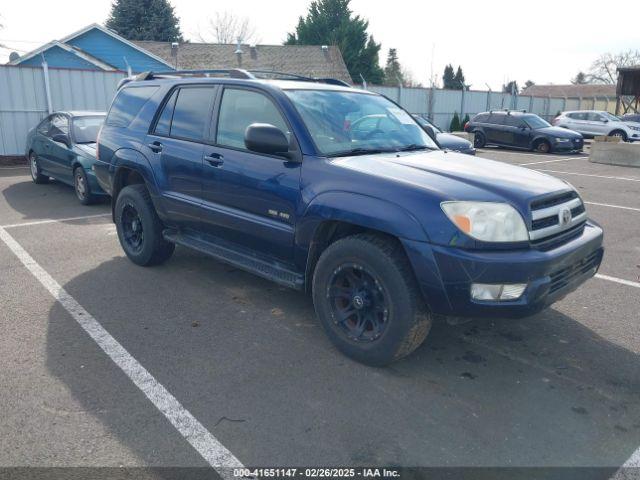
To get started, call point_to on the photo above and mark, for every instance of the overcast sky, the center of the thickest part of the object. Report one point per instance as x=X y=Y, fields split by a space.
x=547 y=41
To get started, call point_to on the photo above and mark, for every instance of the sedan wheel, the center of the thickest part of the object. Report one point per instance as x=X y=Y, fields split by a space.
x=34 y=168
x=81 y=184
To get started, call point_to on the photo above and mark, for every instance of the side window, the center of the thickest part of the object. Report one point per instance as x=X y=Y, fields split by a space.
x=163 y=125
x=482 y=118
x=191 y=112
x=128 y=103
x=496 y=119
x=59 y=125
x=579 y=116
x=595 y=117
x=241 y=108
x=512 y=121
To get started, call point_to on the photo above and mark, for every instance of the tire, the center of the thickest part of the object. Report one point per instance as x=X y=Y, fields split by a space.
x=542 y=146
x=81 y=186
x=620 y=134
x=36 y=172
x=370 y=276
x=479 y=140
x=139 y=228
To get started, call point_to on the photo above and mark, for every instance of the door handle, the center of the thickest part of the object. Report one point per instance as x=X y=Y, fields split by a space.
x=214 y=159
x=155 y=147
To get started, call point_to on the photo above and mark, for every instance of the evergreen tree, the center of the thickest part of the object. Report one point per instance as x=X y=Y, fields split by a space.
x=459 y=79
x=455 y=123
x=464 y=121
x=580 y=79
x=511 y=87
x=448 y=79
x=331 y=22
x=145 y=20
x=529 y=83
x=393 y=73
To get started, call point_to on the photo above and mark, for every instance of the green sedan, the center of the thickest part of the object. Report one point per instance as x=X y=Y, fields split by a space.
x=63 y=147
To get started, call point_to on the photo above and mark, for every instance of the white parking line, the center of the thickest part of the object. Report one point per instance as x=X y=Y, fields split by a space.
x=629 y=179
x=628 y=469
x=189 y=427
x=21 y=167
x=54 y=220
x=553 y=161
x=618 y=280
x=613 y=206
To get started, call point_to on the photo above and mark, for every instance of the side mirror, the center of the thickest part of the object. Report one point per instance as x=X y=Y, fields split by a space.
x=606 y=120
x=524 y=127
x=267 y=139
x=62 y=138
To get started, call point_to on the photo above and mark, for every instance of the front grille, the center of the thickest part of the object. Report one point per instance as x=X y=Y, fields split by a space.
x=548 y=222
x=565 y=276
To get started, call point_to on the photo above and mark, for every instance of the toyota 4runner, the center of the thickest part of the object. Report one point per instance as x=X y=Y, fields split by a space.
x=288 y=179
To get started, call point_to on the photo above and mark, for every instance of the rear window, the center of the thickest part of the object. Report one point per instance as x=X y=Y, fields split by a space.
x=128 y=103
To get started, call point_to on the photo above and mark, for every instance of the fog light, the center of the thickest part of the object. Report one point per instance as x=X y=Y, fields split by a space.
x=489 y=292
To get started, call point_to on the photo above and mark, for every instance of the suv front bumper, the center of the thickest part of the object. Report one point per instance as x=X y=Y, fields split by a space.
x=445 y=274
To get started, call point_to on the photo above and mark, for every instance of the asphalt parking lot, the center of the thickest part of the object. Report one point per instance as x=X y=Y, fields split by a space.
x=254 y=380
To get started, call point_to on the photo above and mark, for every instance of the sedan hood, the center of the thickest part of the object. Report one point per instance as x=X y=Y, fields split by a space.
x=452 y=142
x=559 y=132
x=87 y=149
x=454 y=176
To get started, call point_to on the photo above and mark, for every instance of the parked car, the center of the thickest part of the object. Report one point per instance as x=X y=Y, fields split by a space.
x=445 y=140
x=631 y=117
x=522 y=130
x=592 y=122
x=384 y=229
x=63 y=147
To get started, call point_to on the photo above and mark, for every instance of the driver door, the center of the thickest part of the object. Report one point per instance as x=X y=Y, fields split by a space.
x=58 y=156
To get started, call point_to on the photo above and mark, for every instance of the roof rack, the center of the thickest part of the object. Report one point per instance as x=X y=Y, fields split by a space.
x=232 y=73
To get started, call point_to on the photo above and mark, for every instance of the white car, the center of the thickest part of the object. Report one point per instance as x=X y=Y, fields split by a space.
x=594 y=122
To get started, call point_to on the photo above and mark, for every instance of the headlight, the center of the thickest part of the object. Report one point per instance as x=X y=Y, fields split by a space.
x=637 y=129
x=487 y=221
x=563 y=139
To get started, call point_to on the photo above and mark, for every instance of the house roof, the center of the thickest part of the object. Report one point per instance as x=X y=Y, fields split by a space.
x=79 y=53
x=307 y=60
x=570 y=91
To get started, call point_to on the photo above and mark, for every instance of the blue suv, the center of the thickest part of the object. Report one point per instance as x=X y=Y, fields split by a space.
x=387 y=232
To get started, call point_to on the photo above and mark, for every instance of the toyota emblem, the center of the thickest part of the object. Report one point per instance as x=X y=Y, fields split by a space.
x=564 y=216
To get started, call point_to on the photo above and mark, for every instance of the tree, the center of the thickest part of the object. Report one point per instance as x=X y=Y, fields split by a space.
x=227 y=28
x=331 y=22
x=604 y=69
x=393 y=73
x=511 y=87
x=145 y=20
x=454 y=126
x=459 y=79
x=529 y=83
x=464 y=121
x=448 y=78
x=580 y=79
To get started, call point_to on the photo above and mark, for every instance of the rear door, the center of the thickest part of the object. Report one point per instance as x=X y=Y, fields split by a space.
x=177 y=139
x=579 y=122
x=494 y=129
x=250 y=198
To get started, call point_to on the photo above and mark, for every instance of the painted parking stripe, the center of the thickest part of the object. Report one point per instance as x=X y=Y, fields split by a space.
x=629 y=179
x=618 y=280
x=19 y=167
x=554 y=161
x=54 y=220
x=189 y=427
x=613 y=206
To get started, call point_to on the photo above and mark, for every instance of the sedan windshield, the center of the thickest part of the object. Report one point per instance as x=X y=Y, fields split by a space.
x=610 y=117
x=85 y=129
x=352 y=123
x=536 y=122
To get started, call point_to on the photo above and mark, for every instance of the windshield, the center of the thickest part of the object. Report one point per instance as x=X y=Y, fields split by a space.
x=346 y=123
x=536 y=122
x=85 y=129
x=426 y=123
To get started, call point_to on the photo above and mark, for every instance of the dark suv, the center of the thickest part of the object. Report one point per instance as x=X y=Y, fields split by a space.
x=522 y=130
x=280 y=178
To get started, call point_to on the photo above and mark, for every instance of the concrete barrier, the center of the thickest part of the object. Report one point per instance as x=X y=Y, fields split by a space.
x=615 y=153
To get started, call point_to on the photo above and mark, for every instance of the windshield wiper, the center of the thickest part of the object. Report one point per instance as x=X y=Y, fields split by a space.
x=413 y=147
x=360 y=151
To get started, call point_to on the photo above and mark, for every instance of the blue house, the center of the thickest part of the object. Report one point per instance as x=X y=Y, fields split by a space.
x=94 y=48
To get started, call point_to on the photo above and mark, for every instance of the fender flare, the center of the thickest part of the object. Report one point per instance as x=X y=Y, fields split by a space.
x=360 y=210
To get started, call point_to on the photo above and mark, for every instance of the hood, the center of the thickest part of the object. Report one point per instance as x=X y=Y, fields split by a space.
x=559 y=132
x=455 y=176
x=631 y=124
x=452 y=142
x=87 y=149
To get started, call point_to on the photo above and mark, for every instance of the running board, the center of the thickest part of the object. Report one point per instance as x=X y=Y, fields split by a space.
x=242 y=260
